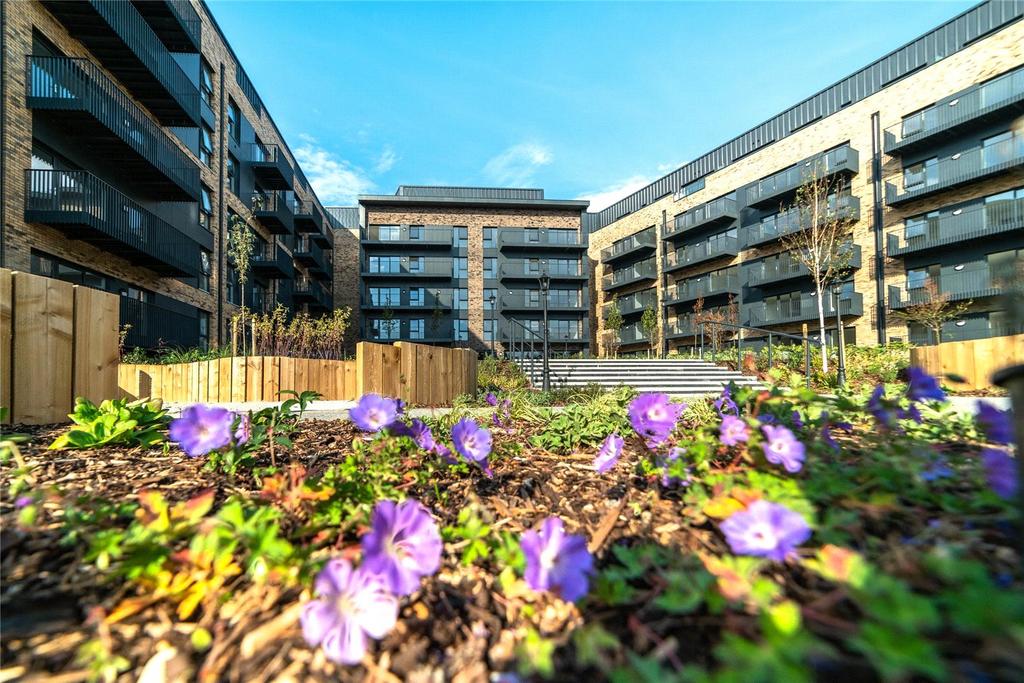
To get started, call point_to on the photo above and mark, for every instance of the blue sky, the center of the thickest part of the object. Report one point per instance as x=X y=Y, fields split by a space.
x=583 y=99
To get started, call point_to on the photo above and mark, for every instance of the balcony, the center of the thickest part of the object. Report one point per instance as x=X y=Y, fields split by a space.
x=86 y=208
x=975 y=281
x=273 y=212
x=975 y=108
x=636 y=302
x=437 y=299
x=623 y=277
x=150 y=325
x=310 y=254
x=803 y=309
x=431 y=331
x=692 y=254
x=176 y=22
x=412 y=236
x=312 y=293
x=772 y=189
x=571 y=301
x=532 y=269
x=79 y=96
x=957 y=170
x=578 y=332
x=308 y=217
x=972 y=223
x=633 y=334
x=794 y=220
x=720 y=211
x=641 y=243
x=718 y=283
x=787 y=267
x=680 y=328
x=406 y=266
x=270 y=167
x=272 y=261
x=540 y=238
x=124 y=43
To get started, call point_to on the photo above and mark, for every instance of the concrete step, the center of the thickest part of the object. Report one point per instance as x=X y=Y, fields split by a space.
x=680 y=377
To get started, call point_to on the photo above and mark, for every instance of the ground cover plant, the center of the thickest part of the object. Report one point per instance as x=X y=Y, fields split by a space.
x=760 y=536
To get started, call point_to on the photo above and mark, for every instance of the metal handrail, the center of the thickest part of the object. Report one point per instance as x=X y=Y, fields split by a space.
x=806 y=341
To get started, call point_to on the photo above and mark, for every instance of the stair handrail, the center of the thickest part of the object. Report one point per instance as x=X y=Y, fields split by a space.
x=803 y=339
x=512 y=336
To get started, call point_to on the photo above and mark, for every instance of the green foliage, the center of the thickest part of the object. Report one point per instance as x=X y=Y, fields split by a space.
x=586 y=424
x=471 y=533
x=172 y=355
x=500 y=375
x=535 y=655
x=114 y=422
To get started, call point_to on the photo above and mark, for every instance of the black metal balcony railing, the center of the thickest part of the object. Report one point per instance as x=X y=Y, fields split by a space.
x=959 y=169
x=794 y=220
x=634 y=303
x=273 y=211
x=405 y=266
x=270 y=167
x=540 y=238
x=768 y=190
x=313 y=256
x=272 y=261
x=975 y=106
x=718 y=211
x=803 y=309
x=308 y=217
x=964 y=329
x=575 y=332
x=69 y=85
x=706 y=285
x=974 y=281
x=637 y=272
x=644 y=241
x=532 y=269
x=311 y=292
x=82 y=204
x=692 y=254
x=969 y=223
x=418 y=235
x=632 y=334
x=119 y=36
x=432 y=299
x=788 y=267
x=557 y=301
x=176 y=22
x=681 y=327
x=150 y=325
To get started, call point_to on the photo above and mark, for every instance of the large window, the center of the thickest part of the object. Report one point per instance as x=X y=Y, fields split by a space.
x=416 y=264
x=490 y=298
x=205 y=208
x=460 y=298
x=997 y=149
x=206 y=82
x=490 y=267
x=461 y=237
x=389 y=233
x=416 y=328
x=385 y=264
x=233 y=175
x=415 y=296
x=387 y=328
x=563 y=330
x=489 y=325
x=918 y=226
x=490 y=238
x=563 y=266
x=203 y=281
x=206 y=145
x=385 y=296
x=460 y=268
x=233 y=290
x=556 y=236
x=920 y=174
x=564 y=298
x=204 y=330
x=460 y=329
x=234 y=121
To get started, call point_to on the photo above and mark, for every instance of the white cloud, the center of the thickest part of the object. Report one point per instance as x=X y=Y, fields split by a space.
x=607 y=196
x=386 y=160
x=335 y=181
x=516 y=165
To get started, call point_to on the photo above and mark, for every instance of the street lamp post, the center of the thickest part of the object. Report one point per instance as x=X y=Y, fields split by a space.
x=494 y=323
x=545 y=282
x=841 y=368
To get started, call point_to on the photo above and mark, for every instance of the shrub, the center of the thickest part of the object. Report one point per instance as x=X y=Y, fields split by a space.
x=502 y=375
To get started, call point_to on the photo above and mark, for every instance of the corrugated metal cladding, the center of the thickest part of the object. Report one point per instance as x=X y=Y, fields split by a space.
x=248 y=88
x=933 y=46
x=343 y=216
x=469 y=192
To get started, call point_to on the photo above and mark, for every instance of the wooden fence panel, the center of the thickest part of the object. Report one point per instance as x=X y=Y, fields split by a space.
x=271 y=378
x=6 y=337
x=254 y=378
x=42 y=348
x=974 y=360
x=238 y=378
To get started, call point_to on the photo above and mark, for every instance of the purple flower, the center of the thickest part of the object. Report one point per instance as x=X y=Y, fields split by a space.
x=352 y=605
x=403 y=546
x=400 y=406
x=23 y=502
x=937 y=469
x=244 y=430
x=876 y=406
x=996 y=423
x=767 y=419
x=419 y=432
x=782 y=448
x=733 y=430
x=556 y=561
x=665 y=463
x=653 y=417
x=826 y=431
x=922 y=386
x=445 y=453
x=1001 y=471
x=765 y=530
x=491 y=399
x=724 y=403
x=473 y=443
x=909 y=413
x=797 y=421
x=202 y=429
x=608 y=454
x=374 y=412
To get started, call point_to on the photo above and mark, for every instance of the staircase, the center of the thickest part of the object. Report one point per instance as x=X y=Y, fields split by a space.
x=677 y=377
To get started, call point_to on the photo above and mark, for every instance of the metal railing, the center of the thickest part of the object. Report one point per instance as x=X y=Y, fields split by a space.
x=633 y=303
x=425 y=234
x=721 y=209
x=707 y=284
x=65 y=83
x=965 y=224
x=307 y=288
x=787 y=266
x=796 y=219
x=644 y=239
x=620 y=277
x=78 y=197
x=410 y=265
x=570 y=301
x=843 y=158
x=432 y=298
x=307 y=251
x=540 y=237
x=803 y=308
x=188 y=18
x=536 y=268
x=150 y=325
x=711 y=331
x=702 y=251
x=972 y=282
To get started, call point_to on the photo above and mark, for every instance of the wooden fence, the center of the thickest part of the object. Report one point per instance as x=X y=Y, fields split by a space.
x=974 y=360
x=57 y=341
x=419 y=374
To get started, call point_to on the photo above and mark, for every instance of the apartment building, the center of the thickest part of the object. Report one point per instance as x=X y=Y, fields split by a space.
x=132 y=138
x=926 y=150
x=469 y=266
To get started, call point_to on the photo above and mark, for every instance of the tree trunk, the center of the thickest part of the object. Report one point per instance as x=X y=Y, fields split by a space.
x=821 y=324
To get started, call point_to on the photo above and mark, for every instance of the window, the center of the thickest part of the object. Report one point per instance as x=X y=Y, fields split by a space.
x=997 y=149
x=562 y=236
x=490 y=267
x=918 y=226
x=415 y=264
x=234 y=121
x=1004 y=208
x=920 y=174
x=389 y=328
x=919 y=121
x=917 y=278
x=385 y=296
x=563 y=266
x=490 y=238
x=564 y=298
x=532 y=236
x=460 y=298
x=206 y=145
x=489 y=329
x=233 y=175
x=415 y=296
x=563 y=330
x=416 y=232
x=204 y=330
x=490 y=294
x=205 y=208
x=389 y=233
x=416 y=328
x=461 y=237
x=532 y=266
x=461 y=268
x=206 y=82
x=532 y=297
x=687 y=190
x=385 y=264
x=460 y=331
x=234 y=291
x=203 y=281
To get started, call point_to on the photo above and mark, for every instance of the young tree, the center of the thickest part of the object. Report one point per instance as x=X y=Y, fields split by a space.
x=820 y=242
x=649 y=323
x=241 y=245
x=933 y=311
x=613 y=326
x=713 y=319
